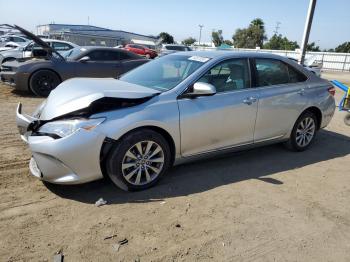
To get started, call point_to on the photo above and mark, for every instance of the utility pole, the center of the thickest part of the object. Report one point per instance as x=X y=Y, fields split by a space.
x=310 y=15
x=277 y=27
x=88 y=20
x=200 y=34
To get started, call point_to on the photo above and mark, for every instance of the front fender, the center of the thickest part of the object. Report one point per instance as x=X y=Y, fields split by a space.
x=163 y=115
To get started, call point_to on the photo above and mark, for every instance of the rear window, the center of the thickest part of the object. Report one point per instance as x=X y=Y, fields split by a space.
x=176 y=48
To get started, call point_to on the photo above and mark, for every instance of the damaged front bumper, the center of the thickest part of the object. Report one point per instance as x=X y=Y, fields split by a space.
x=73 y=159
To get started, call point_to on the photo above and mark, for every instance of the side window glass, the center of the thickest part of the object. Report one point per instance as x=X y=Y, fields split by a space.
x=295 y=76
x=104 y=55
x=96 y=55
x=124 y=56
x=61 y=46
x=111 y=56
x=271 y=72
x=228 y=75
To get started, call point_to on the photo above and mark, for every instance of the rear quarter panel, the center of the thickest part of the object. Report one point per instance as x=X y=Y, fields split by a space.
x=320 y=97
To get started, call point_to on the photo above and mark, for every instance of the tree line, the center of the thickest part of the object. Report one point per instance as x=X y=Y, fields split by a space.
x=255 y=36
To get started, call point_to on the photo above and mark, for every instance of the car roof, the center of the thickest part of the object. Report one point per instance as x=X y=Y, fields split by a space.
x=55 y=40
x=100 y=48
x=228 y=54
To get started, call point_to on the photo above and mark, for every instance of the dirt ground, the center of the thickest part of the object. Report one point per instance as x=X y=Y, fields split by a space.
x=266 y=204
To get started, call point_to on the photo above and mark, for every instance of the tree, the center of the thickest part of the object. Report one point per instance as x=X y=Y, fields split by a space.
x=258 y=28
x=166 y=38
x=252 y=36
x=278 y=42
x=228 y=42
x=189 y=41
x=217 y=37
x=343 y=48
x=313 y=47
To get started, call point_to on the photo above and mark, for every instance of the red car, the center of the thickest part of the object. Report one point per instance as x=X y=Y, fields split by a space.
x=141 y=50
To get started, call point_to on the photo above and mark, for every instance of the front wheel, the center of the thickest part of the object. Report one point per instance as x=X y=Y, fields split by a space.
x=139 y=160
x=303 y=133
x=43 y=82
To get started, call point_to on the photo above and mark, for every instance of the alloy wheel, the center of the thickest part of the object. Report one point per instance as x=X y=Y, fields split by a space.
x=305 y=132
x=143 y=163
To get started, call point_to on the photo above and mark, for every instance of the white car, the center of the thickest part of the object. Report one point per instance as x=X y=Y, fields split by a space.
x=33 y=50
x=311 y=65
x=20 y=40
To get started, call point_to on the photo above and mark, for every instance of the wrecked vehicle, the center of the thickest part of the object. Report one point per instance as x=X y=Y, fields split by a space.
x=41 y=76
x=177 y=108
x=32 y=50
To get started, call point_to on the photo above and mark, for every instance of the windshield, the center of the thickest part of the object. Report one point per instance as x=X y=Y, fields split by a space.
x=177 y=48
x=166 y=72
x=73 y=53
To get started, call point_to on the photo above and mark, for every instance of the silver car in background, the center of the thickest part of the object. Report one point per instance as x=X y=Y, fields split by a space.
x=173 y=48
x=178 y=108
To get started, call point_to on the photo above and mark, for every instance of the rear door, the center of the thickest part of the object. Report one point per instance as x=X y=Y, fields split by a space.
x=283 y=94
x=225 y=119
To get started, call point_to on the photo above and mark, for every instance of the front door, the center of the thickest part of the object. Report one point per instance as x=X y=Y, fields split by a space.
x=225 y=119
x=102 y=63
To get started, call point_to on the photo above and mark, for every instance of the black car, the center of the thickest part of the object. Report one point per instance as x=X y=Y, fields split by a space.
x=43 y=75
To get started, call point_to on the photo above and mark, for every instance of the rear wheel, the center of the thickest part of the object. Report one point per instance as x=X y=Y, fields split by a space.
x=303 y=133
x=43 y=82
x=148 y=56
x=347 y=119
x=139 y=160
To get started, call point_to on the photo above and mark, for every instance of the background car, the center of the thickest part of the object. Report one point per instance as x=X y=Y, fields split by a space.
x=174 y=109
x=34 y=50
x=43 y=75
x=9 y=45
x=141 y=50
x=172 y=48
x=13 y=38
x=311 y=65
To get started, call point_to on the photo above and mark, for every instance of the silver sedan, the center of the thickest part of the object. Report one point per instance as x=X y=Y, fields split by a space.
x=177 y=108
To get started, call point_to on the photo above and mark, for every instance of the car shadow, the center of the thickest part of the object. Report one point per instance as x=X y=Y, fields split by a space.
x=23 y=93
x=259 y=163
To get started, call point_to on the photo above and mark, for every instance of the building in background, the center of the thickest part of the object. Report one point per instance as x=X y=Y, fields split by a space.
x=88 y=35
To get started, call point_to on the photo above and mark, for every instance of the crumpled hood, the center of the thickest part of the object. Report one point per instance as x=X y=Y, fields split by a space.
x=79 y=93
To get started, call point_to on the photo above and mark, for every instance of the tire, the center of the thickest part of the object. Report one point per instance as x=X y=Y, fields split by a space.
x=347 y=119
x=131 y=170
x=148 y=56
x=301 y=138
x=42 y=82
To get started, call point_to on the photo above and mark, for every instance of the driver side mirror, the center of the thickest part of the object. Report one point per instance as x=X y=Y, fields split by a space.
x=201 y=89
x=84 y=59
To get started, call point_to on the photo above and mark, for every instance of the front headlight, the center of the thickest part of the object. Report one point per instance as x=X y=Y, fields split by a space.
x=64 y=128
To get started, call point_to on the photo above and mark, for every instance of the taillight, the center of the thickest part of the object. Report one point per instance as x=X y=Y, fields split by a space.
x=331 y=90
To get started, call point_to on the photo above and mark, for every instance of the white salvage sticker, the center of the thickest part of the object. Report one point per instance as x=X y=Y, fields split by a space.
x=199 y=59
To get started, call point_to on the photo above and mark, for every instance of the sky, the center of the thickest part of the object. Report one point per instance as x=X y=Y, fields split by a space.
x=180 y=18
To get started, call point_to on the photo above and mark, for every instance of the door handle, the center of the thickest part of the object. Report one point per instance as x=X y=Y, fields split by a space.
x=301 y=91
x=250 y=100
